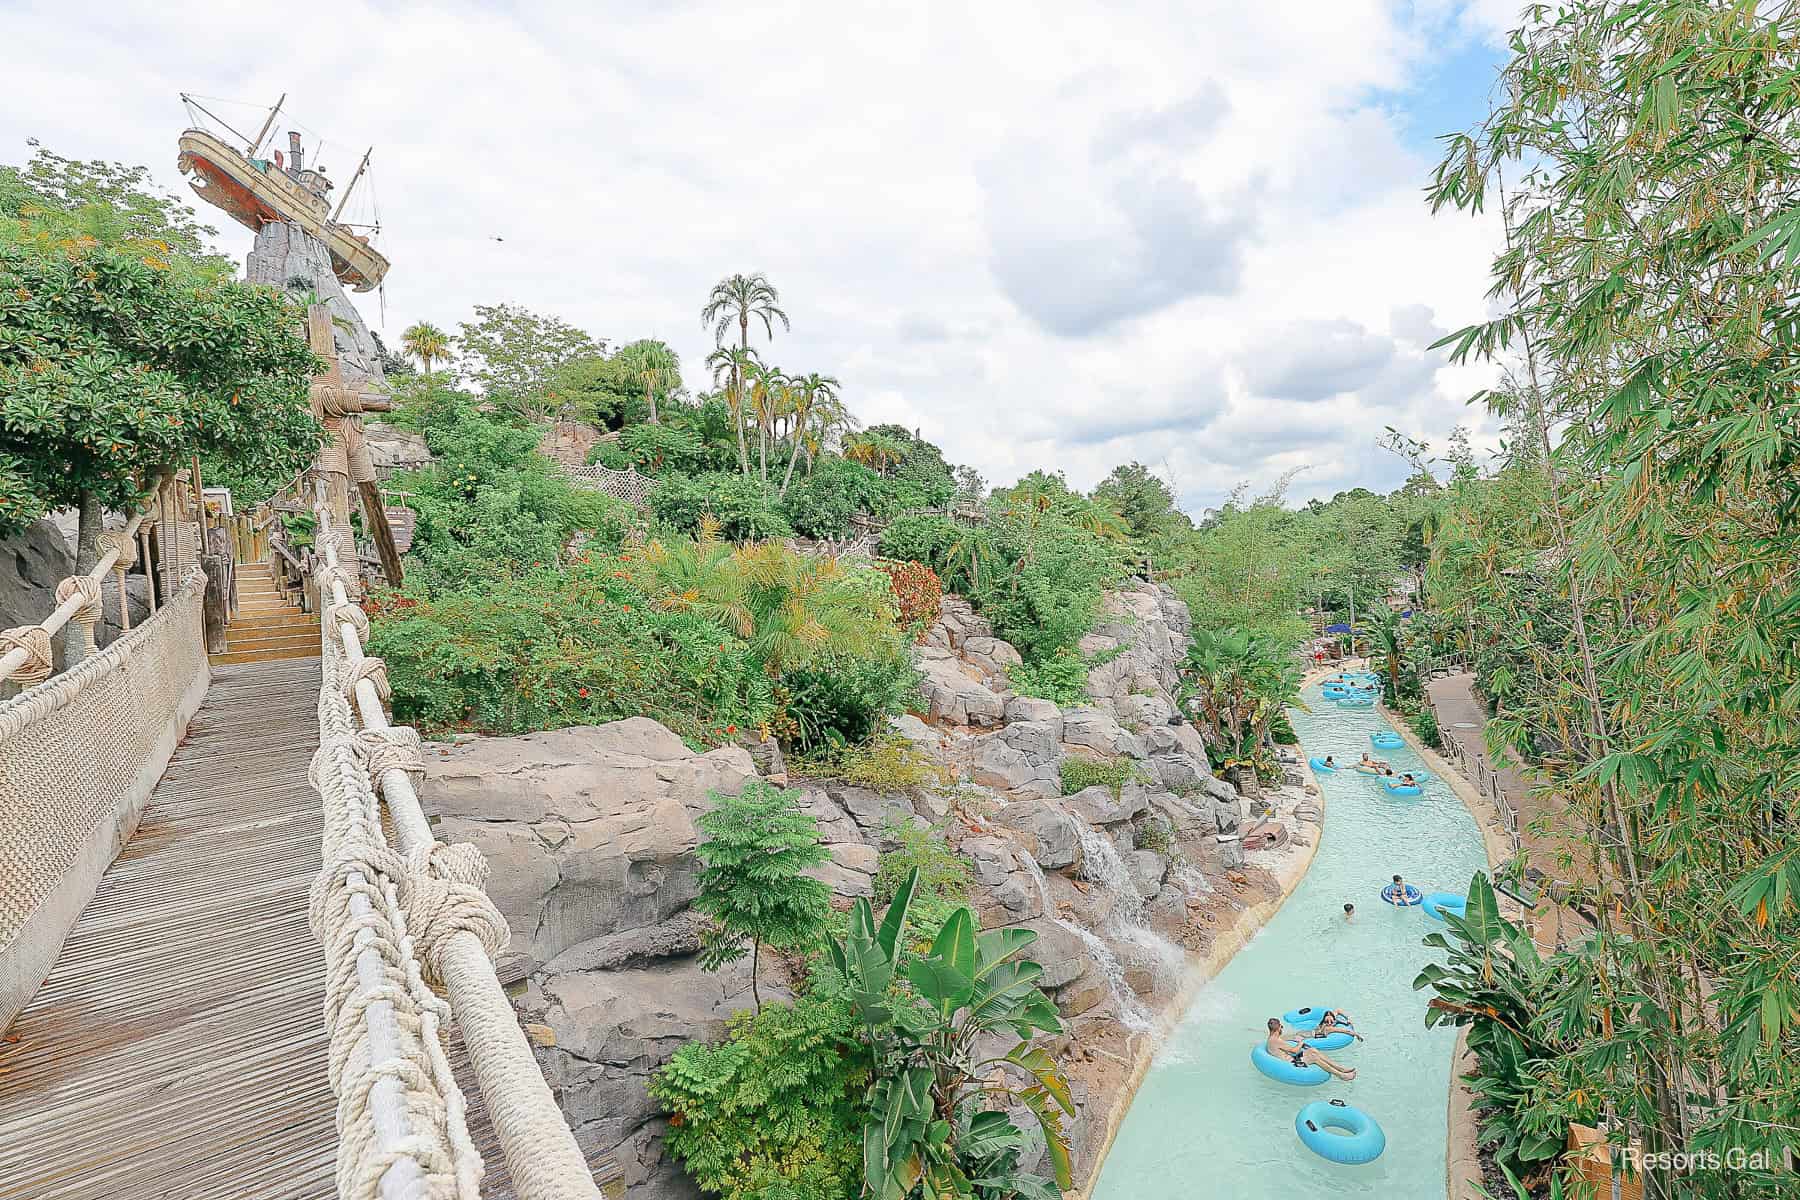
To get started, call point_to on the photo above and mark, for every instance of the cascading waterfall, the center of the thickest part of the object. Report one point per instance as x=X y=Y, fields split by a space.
x=1102 y=864
x=1132 y=1012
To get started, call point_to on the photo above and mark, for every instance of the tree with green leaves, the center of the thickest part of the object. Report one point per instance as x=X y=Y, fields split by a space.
x=924 y=1018
x=738 y=300
x=514 y=354
x=1644 y=162
x=1142 y=500
x=112 y=368
x=752 y=885
x=653 y=367
x=426 y=342
x=818 y=409
x=1236 y=683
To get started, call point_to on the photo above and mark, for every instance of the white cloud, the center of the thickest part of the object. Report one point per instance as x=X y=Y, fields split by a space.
x=1060 y=236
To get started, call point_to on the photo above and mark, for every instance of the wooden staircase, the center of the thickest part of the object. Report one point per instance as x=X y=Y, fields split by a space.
x=267 y=627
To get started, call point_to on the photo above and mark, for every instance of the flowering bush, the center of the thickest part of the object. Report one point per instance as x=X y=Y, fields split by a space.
x=918 y=590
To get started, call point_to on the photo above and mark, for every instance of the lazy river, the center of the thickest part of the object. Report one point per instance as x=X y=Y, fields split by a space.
x=1206 y=1123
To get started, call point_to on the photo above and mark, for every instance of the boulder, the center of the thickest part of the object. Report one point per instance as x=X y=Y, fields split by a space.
x=589 y=830
x=952 y=697
x=1179 y=771
x=1004 y=879
x=996 y=762
x=915 y=731
x=992 y=656
x=40 y=556
x=1048 y=832
x=1100 y=805
x=871 y=811
x=610 y=1031
x=1092 y=728
x=1147 y=869
x=1034 y=710
x=395 y=449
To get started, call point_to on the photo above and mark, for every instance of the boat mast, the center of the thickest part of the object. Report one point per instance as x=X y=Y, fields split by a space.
x=351 y=187
x=187 y=99
x=257 y=144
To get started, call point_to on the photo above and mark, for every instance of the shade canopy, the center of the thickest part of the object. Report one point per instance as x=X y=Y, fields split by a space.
x=1338 y=628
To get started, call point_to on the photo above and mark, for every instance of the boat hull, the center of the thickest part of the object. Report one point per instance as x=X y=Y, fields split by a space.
x=254 y=197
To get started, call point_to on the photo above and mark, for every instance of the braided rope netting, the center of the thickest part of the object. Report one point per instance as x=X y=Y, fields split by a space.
x=397 y=923
x=628 y=486
x=73 y=747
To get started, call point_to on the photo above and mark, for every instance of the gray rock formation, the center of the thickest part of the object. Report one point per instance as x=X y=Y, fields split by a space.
x=395 y=449
x=35 y=560
x=287 y=257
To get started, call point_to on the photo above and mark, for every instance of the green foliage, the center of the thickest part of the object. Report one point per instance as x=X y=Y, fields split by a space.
x=111 y=367
x=743 y=506
x=929 y=1086
x=1494 y=982
x=1143 y=501
x=110 y=204
x=1424 y=723
x=943 y=875
x=885 y=763
x=597 y=389
x=821 y=504
x=427 y=343
x=654 y=449
x=1154 y=833
x=842 y=699
x=757 y=845
x=1237 y=683
x=1062 y=677
x=513 y=355
x=490 y=505
x=548 y=649
x=776 y=1110
x=1081 y=771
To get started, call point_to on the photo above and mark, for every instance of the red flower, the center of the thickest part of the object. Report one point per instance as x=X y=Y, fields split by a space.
x=583 y=693
x=731 y=729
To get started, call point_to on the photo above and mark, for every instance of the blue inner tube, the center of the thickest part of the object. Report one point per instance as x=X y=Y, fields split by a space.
x=1319 y=764
x=1338 y=1133
x=1304 y=1018
x=1439 y=903
x=1283 y=1070
x=1406 y=899
x=1337 y=1039
x=1357 y=702
x=1384 y=740
x=1396 y=788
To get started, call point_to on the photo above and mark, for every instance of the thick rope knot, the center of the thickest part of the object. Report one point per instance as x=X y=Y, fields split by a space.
x=114 y=540
x=35 y=642
x=395 y=748
x=346 y=545
x=353 y=616
x=361 y=461
x=332 y=886
x=89 y=588
x=375 y=671
x=442 y=893
x=326 y=576
x=332 y=400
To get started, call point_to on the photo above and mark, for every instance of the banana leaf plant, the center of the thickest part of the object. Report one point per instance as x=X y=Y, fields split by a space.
x=934 y=1109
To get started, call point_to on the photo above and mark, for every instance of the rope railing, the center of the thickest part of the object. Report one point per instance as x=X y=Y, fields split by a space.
x=396 y=921
x=28 y=657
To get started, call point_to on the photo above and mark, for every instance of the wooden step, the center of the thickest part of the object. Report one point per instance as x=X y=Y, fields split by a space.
x=291 y=619
x=254 y=656
x=271 y=641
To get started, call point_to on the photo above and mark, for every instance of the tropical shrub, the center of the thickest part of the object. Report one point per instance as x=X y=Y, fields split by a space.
x=1237 y=683
x=1062 y=677
x=943 y=874
x=821 y=505
x=1080 y=771
x=776 y=1110
x=655 y=449
x=742 y=506
x=917 y=590
x=1424 y=723
x=839 y=699
x=548 y=649
x=757 y=845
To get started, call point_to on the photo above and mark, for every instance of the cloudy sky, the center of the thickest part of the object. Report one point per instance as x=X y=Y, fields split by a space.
x=1053 y=234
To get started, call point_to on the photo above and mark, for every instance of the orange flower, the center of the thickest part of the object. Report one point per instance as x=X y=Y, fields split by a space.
x=731 y=729
x=584 y=693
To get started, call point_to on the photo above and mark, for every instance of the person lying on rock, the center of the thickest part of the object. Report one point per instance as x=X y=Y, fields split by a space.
x=1302 y=1055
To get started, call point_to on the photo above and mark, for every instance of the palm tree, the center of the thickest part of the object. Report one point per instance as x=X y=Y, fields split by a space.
x=731 y=366
x=426 y=342
x=652 y=364
x=738 y=299
x=810 y=394
x=772 y=397
x=877 y=451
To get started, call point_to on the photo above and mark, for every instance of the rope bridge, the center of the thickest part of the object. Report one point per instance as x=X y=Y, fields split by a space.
x=167 y=1039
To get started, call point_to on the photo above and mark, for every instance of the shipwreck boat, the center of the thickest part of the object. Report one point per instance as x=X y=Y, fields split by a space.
x=259 y=191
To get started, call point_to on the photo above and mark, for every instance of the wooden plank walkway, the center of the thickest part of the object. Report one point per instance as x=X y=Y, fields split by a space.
x=177 y=1051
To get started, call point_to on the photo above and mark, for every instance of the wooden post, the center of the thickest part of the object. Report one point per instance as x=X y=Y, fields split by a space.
x=375 y=520
x=213 y=605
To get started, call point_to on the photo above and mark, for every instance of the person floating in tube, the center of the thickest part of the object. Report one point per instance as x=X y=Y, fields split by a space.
x=1335 y=1021
x=1302 y=1055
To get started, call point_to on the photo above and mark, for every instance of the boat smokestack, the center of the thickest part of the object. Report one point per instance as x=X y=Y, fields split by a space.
x=296 y=156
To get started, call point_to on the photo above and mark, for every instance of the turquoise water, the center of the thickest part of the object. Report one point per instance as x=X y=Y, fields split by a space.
x=1206 y=1123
